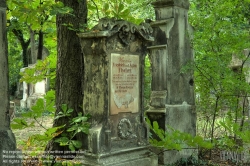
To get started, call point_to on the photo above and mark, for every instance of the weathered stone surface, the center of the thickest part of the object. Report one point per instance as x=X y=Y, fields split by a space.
x=7 y=138
x=33 y=60
x=9 y=155
x=169 y=53
x=168 y=3
x=3 y=5
x=158 y=99
x=114 y=54
x=4 y=99
x=127 y=157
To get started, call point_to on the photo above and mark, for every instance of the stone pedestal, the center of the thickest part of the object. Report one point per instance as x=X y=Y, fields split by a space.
x=126 y=157
x=172 y=97
x=113 y=94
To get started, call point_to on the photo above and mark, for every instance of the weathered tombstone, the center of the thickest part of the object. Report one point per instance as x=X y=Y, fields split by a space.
x=113 y=94
x=8 y=153
x=32 y=92
x=172 y=97
x=32 y=58
x=12 y=110
x=23 y=102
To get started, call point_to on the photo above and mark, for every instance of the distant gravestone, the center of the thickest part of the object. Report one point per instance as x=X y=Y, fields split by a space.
x=32 y=59
x=32 y=92
x=114 y=53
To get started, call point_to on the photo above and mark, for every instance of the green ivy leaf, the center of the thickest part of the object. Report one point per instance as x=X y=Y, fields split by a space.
x=77 y=144
x=63 y=141
x=72 y=128
x=71 y=147
x=64 y=108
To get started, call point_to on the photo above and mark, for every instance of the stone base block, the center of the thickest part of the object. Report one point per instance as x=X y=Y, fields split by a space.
x=23 y=103
x=9 y=155
x=170 y=157
x=246 y=154
x=180 y=117
x=128 y=157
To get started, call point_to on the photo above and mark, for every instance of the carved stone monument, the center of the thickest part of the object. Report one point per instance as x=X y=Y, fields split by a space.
x=113 y=94
x=172 y=98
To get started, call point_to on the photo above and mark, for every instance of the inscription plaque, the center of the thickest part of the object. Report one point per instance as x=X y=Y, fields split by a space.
x=124 y=96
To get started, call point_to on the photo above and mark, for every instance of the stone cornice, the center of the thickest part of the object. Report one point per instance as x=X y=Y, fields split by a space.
x=166 y=3
x=3 y=9
x=2 y=4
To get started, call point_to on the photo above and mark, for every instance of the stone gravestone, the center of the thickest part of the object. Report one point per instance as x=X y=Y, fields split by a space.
x=172 y=97
x=113 y=94
x=32 y=92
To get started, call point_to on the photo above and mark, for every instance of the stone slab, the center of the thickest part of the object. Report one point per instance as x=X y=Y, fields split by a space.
x=129 y=157
x=9 y=155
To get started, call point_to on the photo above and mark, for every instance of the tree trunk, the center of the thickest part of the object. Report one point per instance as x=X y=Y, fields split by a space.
x=7 y=138
x=69 y=64
x=40 y=45
x=25 y=44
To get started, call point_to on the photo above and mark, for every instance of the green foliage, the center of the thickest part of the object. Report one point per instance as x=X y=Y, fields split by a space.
x=172 y=139
x=77 y=125
x=15 y=62
x=133 y=11
x=40 y=71
x=20 y=123
x=36 y=14
x=221 y=90
x=190 y=161
x=43 y=106
x=41 y=140
x=241 y=136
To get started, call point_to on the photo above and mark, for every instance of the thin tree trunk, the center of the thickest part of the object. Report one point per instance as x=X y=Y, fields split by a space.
x=40 y=45
x=243 y=113
x=213 y=122
x=24 y=44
